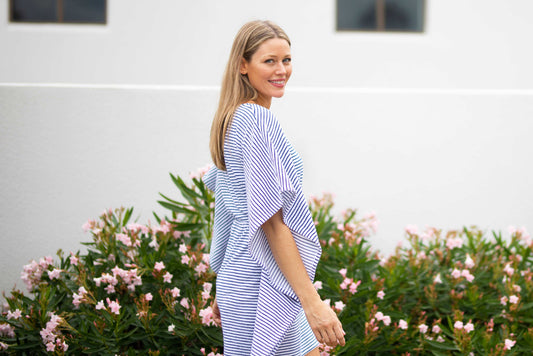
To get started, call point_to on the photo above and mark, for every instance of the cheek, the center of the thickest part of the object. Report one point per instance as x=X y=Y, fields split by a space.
x=289 y=72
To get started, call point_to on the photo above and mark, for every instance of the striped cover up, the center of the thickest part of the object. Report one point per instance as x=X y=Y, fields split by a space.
x=261 y=315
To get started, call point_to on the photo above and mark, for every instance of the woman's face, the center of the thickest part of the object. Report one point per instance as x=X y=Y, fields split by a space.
x=269 y=69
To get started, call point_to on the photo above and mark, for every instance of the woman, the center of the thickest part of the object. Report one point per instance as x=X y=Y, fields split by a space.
x=265 y=248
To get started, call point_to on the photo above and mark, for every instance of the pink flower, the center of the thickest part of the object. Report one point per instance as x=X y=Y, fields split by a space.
x=7 y=330
x=423 y=328
x=100 y=305
x=353 y=287
x=339 y=305
x=171 y=328
x=469 y=262
x=175 y=292
x=185 y=259
x=153 y=244
x=437 y=279
x=125 y=239
x=207 y=287
x=207 y=316
x=183 y=248
x=508 y=269
x=317 y=285
x=185 y=303
x=73 y=259
x=148 y=296
x=458 y=325
x=436 y=329
x=503 y=300
x=456 y=273
x=87 y=226
x=14 y=315
x=54 y=273
x=466 y=273
x=411 y=229
x=381 y=294
x=454 y=242
x=379 y=316
x=386 y=320
x=509 y=344
x=167 y=278
x=50 y=347
x=403 y=324
x=113 y=306
x=159 y=266
x=343 y=272
x=469 y=327
x=345 y=283
x=201 y=268
x=110 y=289
x=513 y=299
x=440 y=339
x=3 y=346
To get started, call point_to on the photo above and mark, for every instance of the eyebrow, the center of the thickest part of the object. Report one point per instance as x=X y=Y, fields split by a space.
x=274 y=55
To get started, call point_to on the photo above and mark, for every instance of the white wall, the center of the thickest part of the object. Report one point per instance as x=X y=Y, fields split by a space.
x=427 y=129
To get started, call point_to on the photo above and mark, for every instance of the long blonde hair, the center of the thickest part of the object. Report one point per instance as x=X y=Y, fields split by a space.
x=236 y=88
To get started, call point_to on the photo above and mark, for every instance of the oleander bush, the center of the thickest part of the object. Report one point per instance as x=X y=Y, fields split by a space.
x=146 y=289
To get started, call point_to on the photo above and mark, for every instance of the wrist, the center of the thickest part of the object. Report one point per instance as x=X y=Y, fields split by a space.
x=309 y=298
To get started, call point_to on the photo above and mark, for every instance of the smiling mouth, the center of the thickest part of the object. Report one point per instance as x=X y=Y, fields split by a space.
x=277 y=83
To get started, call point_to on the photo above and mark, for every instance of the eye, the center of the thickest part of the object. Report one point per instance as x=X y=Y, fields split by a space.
x=269 y=61
x=287 y=60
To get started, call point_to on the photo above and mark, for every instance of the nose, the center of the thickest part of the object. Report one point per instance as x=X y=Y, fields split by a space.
x=280 y=69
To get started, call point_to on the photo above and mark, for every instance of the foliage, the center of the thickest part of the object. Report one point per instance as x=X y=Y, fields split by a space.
x=146 y=289
x=139 y=289
x=453 y=293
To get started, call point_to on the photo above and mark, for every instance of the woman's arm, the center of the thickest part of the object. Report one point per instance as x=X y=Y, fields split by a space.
x=323 y=321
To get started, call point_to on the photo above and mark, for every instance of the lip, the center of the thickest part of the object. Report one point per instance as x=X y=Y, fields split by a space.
x=279 y=83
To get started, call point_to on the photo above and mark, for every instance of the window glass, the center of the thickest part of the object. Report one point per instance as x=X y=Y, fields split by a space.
x=358 y=14
x=84 y=11
x=59 y=11
x=34 y=10
x=404 y=15
x=381 y=15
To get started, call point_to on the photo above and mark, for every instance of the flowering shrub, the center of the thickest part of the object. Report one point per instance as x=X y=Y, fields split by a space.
x=453 y=293
x=139 y=289
x=146 y=289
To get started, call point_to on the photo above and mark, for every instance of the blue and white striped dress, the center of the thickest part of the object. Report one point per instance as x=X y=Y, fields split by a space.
x=261 y=314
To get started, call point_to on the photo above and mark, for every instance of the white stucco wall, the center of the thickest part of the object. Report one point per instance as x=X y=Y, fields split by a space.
x=428 y=129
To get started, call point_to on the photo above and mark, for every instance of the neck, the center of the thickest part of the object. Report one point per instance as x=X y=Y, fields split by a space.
x=265 y=102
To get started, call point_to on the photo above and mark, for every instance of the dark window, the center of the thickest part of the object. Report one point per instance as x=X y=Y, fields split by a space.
x=58 y=11
x=381 y=15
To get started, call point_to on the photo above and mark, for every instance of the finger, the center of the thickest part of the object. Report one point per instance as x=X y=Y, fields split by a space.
x=339 y=333
x=318 y=336
x=331 y=338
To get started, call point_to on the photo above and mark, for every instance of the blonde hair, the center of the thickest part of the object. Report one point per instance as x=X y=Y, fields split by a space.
x=236 y=88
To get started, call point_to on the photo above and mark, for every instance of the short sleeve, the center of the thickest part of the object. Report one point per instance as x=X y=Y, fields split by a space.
x=272 y=183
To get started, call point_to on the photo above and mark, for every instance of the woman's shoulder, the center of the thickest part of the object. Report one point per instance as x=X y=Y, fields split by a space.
x=254 y=115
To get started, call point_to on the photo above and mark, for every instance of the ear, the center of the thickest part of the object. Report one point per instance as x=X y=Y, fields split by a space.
x=244 y=67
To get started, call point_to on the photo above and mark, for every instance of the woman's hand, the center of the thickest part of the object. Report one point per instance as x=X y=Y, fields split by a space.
x=216 y=313
x=324 y=323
